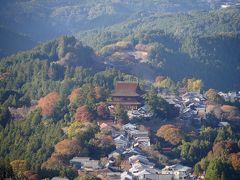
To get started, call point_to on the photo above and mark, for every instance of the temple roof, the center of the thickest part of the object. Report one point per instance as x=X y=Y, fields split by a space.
x=124 y=103
x=125 y=88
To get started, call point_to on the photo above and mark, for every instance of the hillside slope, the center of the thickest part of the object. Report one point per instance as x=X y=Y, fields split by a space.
x=12 y=42
x=198 y=45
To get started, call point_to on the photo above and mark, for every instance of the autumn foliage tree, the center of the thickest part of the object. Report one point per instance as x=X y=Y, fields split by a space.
x=164 y=82
x=235 y=160
x=103 y=111
x=67 y=147
x=194 y=84
x=48 y=103
x=163 y=129
x=170 y=133
x=56 y=165
x=82 y=132
x=98 y=92
x=158 y=80
x=223 y=148
x=52 y=163
x=214 y=97
x=74 y=96
x=101 y=145
x=30 y=175
x=19 y=167
x=125 y=165
x=83 y=115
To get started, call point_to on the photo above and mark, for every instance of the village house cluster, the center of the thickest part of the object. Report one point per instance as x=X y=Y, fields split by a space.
x=192 y=106
x=230 y=96
x=129 y=161
x=129 y=141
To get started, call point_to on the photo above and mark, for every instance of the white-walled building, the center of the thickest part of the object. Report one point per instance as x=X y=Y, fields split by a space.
x=178 y=171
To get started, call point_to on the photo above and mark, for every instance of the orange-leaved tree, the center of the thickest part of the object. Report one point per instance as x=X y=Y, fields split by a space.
x=48 y=103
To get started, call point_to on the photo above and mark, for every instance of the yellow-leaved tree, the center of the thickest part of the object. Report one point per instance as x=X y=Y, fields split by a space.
x=19 y=167
x=194 y=84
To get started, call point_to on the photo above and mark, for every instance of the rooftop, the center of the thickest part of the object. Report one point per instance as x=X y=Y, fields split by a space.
x=176 y=167
x=125 y=88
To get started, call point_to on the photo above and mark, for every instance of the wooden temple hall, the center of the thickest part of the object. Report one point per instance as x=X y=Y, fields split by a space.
x=127 y=94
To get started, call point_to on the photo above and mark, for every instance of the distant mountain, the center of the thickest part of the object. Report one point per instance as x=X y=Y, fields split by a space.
x=47 y=19
x=12 y=42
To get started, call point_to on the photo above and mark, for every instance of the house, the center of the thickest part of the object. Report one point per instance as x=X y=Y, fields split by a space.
x=139 y=159
x=137 y=167
x=127 y=94
x=140 y=137
x=223 y=124
x=132 y=151
x=108 y=128
x=150 y=174
x=142 y=112
x=121 y=142
x=59 y=178
x=139 y=170
x=103 y=126
x=126 y=176
x=230 y=96
x=107 y=174
x=85 y=163
x=144 y=141
x=153 y=176
x=116 y=154
x=177 y=171
x=138 y=133
x=114 y=175
x=142 y=174
x=129 y=127
x=193 y=96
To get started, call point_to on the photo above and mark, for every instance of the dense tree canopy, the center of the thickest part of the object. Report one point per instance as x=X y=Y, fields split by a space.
x=170 y=133
x=219 y=169
x=159 y=106
x=214 y=97
x=48 y=103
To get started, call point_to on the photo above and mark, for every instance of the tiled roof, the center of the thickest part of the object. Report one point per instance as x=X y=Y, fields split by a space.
x=124 y=88
x=124 y=103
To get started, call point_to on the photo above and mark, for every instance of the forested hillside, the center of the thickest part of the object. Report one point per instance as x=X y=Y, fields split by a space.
x=180 y=25
x=44 y=90
x=55 y=65
x=183 y=45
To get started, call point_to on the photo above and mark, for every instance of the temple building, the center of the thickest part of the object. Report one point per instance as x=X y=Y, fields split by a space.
x=126 y=94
